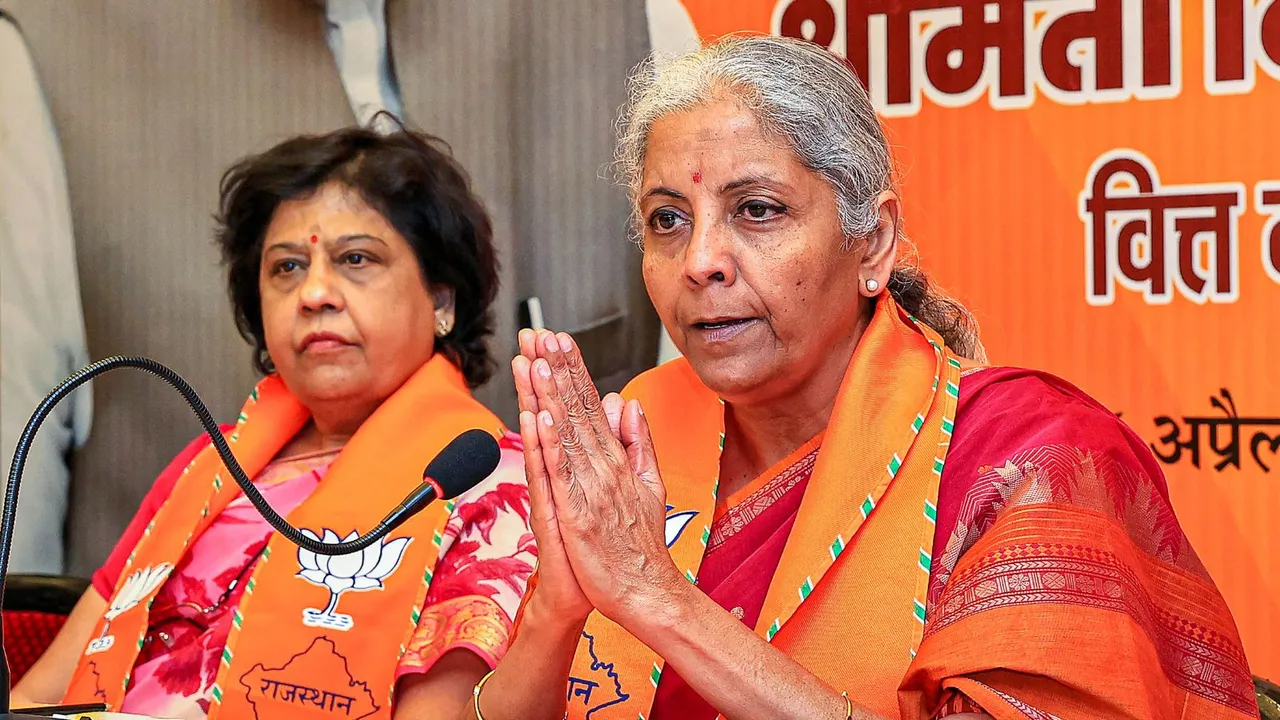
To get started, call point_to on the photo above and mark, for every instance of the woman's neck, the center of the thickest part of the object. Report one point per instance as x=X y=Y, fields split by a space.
x=760 y=435
x=329 y=429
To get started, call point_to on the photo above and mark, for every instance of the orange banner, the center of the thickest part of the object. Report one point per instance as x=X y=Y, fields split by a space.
x=1099 y=180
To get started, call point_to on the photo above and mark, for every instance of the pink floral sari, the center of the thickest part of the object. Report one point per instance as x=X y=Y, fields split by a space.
x=487 y=555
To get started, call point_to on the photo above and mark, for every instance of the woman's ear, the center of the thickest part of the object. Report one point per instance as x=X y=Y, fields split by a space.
x=443 y=298
x=880 y=250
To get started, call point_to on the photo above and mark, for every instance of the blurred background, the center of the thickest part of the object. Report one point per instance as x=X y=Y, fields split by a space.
x=151 y=101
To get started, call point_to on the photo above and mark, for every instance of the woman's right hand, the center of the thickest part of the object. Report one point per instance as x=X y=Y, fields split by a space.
x=557 y=589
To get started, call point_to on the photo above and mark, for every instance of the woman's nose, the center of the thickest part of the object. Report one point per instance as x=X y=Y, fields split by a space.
x=709 y=255
x=320 y=291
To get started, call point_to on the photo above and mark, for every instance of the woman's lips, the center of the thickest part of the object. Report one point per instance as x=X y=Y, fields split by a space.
x=723 y=330
x=319 y=343
x=322 y=346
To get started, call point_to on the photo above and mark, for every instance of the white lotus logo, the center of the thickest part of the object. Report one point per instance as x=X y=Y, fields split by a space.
x=676 y=523
x=139 y=586
x=363 y=570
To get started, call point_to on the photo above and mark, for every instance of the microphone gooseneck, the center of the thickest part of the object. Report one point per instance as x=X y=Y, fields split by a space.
x=470 y=458
x=473 y=444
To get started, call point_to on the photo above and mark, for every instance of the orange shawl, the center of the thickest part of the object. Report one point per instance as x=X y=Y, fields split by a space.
x=862 y=537
x=1066 y=586
x=303 y=645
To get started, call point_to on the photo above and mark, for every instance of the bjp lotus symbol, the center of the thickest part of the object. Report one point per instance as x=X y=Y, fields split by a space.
x=676 y=523
x=136 y=587
x=358 y=571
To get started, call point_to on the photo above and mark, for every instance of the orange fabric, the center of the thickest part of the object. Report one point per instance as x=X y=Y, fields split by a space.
x=1052 y=575
x=1153 y=320
x=474 y=622
x=859 y=534
x=1062 y=546
x=298 y=649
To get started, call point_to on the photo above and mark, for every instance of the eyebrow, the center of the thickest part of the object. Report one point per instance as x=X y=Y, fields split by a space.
x=747 y=182
x=730 y=186
x=665 y=192
x=342 y=240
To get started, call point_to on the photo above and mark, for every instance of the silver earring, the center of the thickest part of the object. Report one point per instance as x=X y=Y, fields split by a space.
x=873 y=286
x=442 y=328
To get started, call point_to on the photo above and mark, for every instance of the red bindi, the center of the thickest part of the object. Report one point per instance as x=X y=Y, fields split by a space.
x=697 y=176
x=314 y=239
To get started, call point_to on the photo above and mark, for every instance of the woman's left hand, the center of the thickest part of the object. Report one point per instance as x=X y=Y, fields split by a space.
x=610 y=501
x=610 y=507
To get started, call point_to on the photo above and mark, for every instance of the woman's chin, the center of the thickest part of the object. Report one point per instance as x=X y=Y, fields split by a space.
x=326 y=383
x=736 y=378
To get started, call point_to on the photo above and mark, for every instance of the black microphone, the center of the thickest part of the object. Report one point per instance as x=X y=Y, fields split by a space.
x=464 y=462
x=460 y=466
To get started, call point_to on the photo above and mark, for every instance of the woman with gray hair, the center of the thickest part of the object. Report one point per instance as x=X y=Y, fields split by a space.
x=830 y=507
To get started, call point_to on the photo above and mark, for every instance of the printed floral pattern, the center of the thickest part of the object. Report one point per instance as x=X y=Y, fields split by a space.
x=486 y=559
x=487 y=555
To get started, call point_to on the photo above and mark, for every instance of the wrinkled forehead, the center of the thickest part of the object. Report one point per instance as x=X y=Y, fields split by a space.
x=711 y=141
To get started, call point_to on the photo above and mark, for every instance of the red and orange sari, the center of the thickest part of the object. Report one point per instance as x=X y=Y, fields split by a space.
x=1052 y=579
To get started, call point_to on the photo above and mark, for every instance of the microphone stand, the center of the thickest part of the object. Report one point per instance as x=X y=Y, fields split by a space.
x=412 y=503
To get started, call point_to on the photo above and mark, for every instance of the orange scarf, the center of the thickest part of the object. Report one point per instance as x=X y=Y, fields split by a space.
x=297 y=647
x=847 y=600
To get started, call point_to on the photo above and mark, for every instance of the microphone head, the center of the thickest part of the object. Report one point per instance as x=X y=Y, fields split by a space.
x=463 y=463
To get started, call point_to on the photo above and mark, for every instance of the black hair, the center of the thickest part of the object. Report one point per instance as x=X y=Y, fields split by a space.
x=410 y=178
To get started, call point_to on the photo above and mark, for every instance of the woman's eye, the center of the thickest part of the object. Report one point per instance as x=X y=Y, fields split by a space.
x=759 y=210
x=284 y=267
x=664 y=221
x=356 y=259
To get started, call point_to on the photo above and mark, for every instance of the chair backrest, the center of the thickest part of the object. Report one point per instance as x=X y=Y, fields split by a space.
x=1268 y=698
x=35 y=608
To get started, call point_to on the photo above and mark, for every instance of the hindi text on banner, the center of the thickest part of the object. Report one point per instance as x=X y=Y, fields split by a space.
x=1241 y=37
x=1155 y=240
x=1267 y=202
x=954 y=52
x=1265 y=436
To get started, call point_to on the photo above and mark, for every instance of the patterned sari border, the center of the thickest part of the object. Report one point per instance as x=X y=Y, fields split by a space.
x=1027 y=711
x=474 y=622
x=740 y=515
x=1198 y=659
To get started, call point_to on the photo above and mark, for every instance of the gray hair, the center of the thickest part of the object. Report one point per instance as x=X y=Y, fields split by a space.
x=808 y=97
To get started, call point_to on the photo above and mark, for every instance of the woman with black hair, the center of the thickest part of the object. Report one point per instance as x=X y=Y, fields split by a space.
x=361 y=269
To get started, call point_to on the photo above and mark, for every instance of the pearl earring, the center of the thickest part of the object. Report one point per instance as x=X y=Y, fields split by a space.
x=873 y=286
